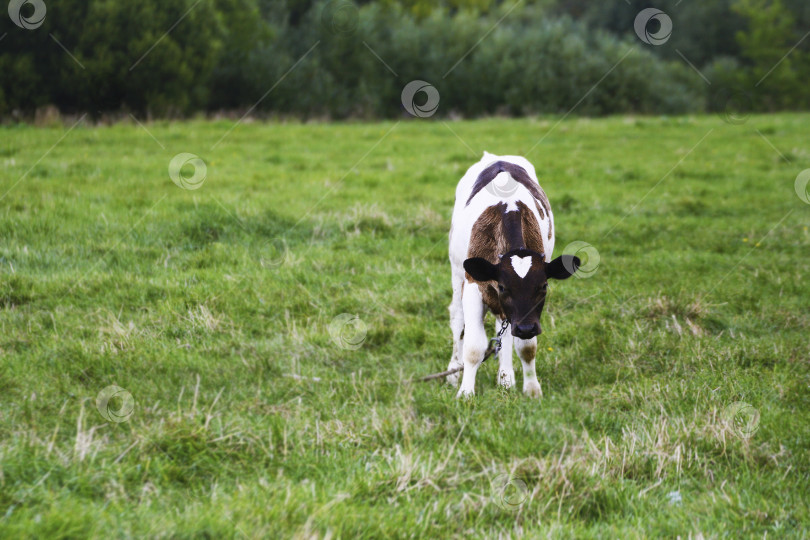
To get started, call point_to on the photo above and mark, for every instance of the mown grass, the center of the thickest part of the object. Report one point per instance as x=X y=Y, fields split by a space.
x=213 y=307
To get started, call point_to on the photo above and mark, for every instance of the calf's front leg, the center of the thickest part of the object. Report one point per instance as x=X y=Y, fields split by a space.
x=527 y=349
x=474 y=345
x=506 y=373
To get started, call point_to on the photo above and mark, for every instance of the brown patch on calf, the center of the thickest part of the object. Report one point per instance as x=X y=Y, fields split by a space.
x=487 y=239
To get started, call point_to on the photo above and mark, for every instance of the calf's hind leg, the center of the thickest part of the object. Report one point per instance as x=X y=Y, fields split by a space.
x=457 y=328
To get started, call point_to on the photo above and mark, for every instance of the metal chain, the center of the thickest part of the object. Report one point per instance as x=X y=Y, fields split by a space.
x=495 y=343
x=494 y=348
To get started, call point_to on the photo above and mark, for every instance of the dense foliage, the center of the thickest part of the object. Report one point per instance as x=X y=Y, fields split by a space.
x=341 y=59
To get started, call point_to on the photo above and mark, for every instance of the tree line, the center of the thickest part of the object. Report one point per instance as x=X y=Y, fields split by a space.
x=343 y=59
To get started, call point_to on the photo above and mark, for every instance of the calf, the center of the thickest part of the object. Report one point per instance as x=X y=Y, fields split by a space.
x=501 y=241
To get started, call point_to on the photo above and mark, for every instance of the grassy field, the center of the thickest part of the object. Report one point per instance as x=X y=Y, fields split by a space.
x=265 y=326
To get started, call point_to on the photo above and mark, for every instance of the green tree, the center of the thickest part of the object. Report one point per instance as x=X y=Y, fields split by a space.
x=771 y=67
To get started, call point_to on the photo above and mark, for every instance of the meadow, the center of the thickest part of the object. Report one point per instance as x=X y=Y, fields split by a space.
x=262 y=330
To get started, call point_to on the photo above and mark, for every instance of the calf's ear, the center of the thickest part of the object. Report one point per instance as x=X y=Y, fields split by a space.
x=481 y=269
x=563 y=267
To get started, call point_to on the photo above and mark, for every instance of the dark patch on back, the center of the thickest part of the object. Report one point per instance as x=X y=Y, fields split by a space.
x=517 y=172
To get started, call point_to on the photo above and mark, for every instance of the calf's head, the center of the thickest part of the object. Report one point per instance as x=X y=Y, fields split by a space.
x=522 y=279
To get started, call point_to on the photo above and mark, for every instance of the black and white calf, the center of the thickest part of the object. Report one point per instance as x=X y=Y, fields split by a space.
x=501 y=242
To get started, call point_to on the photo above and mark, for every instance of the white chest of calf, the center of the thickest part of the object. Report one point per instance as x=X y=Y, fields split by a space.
x=501 y=241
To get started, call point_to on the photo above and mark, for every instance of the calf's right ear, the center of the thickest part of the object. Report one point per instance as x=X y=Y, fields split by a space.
x=481 y=269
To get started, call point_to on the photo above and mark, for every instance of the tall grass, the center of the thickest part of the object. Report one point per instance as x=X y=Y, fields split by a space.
x=675 y=378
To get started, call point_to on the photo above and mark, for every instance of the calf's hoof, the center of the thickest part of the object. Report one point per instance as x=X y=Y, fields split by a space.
x=533 y=389
x=454 y=378
x=506 y=379
x=465 y=394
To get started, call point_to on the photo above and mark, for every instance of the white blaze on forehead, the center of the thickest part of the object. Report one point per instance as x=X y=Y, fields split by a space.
x=522 y=265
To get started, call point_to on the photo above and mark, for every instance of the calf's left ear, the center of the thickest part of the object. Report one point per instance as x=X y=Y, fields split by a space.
x=563 y=267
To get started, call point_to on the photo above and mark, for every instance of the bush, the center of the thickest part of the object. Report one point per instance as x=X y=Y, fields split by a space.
x=175 y=57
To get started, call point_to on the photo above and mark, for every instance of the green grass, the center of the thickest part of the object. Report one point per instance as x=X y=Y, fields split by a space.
x=203 y=304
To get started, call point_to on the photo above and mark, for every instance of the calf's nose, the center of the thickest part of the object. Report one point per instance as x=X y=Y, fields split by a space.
x=527 y=330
